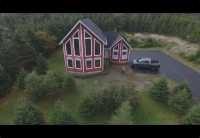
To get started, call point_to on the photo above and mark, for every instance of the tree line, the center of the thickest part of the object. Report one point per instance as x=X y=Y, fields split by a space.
x=27 y=40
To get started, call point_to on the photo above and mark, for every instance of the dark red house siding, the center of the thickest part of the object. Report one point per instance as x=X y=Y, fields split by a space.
x=119 y=60
x=82 y=51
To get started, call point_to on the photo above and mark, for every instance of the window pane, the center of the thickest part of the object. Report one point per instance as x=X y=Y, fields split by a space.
x=76 y=35
x=97 y=48
x=68 y=48
x=97 y=63
x=116 y=47
x=87 y=35
x=76 y=46
x=89 y=64
x=124 y=46
x=124 y=53
x=70 y=63
x=78 y=64
x=115 y=53
x=88 y=47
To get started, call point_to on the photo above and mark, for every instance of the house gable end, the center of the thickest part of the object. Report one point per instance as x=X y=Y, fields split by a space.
x=85 y=26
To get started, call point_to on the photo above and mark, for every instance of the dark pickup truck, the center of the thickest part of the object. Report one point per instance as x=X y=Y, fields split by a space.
x=146 y=64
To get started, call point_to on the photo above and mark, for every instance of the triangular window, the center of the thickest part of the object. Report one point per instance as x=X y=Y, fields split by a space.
x=87 y=35
x=76 y=34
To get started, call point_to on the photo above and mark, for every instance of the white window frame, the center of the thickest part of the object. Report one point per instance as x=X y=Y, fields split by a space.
x=72 y=62
x=89 y=59
x=95 y=40
x=85 y=31
x=68 y=41
x=78 y=38
x=95 y=64
x=115 y=50
x=124 y=50
x=77 y=59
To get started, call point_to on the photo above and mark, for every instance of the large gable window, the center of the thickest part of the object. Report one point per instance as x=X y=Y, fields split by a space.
x=68 y=48
x=88 y=44
x=76 y=42
x=97 y=48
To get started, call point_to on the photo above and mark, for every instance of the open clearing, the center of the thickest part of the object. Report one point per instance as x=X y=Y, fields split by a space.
x=174 y=44
x=149 y=112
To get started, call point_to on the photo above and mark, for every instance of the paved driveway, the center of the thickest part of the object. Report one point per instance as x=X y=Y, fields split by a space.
x=173 y=69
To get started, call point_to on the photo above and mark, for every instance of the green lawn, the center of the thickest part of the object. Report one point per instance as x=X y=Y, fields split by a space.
x=149 y=112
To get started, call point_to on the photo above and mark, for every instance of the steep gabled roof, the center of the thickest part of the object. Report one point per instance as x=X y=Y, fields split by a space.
x=111 y=38
x=94 y=28
x=90 y=26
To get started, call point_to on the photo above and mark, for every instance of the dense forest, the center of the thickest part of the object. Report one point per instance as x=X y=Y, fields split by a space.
x=27 y=40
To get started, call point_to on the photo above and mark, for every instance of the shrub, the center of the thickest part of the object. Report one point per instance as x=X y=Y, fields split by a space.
x=193 y=117
x=133 y=101
x=5 y=81
x=50 y=84
x=103 y=103
x=122 y=115
x=182 y=86
x=146 y=43
x=59 y=116
x=41 y=64
x=180 y=102
x=68 y=83
x=28 y=114
x=194 y=57
x=21 y=79
x=160 y=91
x=34 y=87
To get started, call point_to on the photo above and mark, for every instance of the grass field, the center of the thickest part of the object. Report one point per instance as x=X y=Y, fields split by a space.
x=149 y=112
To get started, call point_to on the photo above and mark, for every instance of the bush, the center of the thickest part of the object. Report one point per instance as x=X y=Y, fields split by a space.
x=180 y=102
x=5 y=81
x=28 y=114
x=123 y=115
x=146 y=43
x=41 y=64
x=59 y=116
x=160 y=91
x=181 y=86
x=193 y=117
x=34 y=87
x=104 y=102
x=21 y=79
x=50 y=84
x=68 y=83
x=133 y=101
x=194 y=57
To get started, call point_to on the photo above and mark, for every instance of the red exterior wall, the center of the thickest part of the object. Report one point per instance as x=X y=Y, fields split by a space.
x=119 y=60
x=82 y=52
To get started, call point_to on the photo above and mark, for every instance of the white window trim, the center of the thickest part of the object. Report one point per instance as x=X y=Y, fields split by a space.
x=77 y=59
x=124 y=45
x=95 y=40
x=115 y=57
x=85 y=31
x=70 y=46
x=89 y=59
x=78 y=38
x=95 y=64
x=67 y=62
